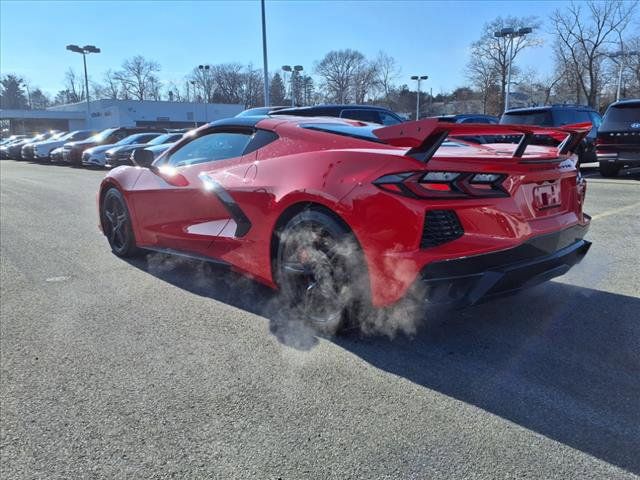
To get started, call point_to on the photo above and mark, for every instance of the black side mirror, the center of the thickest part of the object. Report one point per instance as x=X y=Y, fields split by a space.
x=143 y=157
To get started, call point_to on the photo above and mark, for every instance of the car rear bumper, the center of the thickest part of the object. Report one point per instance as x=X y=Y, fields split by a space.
x=620 y=158
x=471 y=280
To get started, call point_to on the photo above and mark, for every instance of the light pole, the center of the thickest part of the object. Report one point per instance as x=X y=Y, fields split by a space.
x=84 y=50
x=510 y=33
x=195 y=100
x=295 y=68
x=418 y=78
x=264 y=58
x=205 y=77
x=620 y=63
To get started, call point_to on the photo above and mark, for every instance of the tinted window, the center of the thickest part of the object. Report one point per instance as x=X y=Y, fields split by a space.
x=81 y=135
x=210 y=147
x=388 y=119
x=531 y=117
x=363 y=133
x=260 y=139
x=564 y=117
x=362 y=115
x=621 y=117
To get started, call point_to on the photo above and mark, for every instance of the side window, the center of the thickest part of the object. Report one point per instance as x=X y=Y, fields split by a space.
x=362 y=115
x=260 y=139
x=388 y=119
x=211 y=147
x=596 y=120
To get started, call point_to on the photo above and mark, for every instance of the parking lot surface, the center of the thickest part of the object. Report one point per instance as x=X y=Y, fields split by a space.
x=163 y=367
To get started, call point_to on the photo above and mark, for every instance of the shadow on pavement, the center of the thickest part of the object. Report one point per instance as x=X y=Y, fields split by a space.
x=560 y=360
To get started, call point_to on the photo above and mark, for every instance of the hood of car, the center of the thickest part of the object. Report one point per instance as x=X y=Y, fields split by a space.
x=124 y=148
x=98 y=149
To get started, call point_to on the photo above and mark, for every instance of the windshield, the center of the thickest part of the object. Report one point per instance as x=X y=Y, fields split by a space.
x=169 y=137
x=102 y=135
x=620 y=117
x=528 y=117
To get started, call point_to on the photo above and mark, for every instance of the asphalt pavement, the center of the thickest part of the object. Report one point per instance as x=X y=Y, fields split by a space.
x=170 y=368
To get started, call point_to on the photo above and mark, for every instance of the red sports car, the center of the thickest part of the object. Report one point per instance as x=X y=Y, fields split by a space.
x=336 y=212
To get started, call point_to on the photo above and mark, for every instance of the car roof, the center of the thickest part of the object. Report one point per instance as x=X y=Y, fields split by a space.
x=550 y=107
x=305 y=111
x=629 y=101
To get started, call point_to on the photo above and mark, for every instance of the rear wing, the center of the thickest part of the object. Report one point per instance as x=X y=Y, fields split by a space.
x=424 y=137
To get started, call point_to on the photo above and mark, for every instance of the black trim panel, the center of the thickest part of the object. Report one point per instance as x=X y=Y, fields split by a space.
x=469 y=280
x=243 y=224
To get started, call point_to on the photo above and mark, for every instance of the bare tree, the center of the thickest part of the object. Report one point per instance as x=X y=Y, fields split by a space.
x=138 y=77
x=229 y=79
x=483 y=74
x=583 y=40
x=253 y=92
x=494 y=51
x=74 y=86
x=387 y=72
x=111 y=87
x=205 y=82
x=338 y=70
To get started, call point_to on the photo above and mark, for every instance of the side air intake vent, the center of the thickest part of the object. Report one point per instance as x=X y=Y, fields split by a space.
x=440 y=226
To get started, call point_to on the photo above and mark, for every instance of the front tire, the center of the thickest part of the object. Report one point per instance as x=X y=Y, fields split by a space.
x=116 y=224
x=609 y=169
x=320 y=271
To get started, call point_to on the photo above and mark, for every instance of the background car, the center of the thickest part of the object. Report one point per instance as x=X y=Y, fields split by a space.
x=4 y=149
x=557 y=116
x=96 y=156
x=468 y=118
x=618 y=142
x=120 y=155
x=259 y=111
x=14 y=150
x=42 y=150
x=364 y=113
x=72 y=151
x=28 y=150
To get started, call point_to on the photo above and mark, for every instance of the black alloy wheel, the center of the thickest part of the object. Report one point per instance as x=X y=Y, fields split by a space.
x=319 y=268
x=116 y=224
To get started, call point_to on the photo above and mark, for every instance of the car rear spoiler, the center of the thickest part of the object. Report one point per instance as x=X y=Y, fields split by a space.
x=424 y=137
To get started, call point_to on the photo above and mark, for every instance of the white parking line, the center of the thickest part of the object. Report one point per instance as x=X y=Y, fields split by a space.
x=615 y=211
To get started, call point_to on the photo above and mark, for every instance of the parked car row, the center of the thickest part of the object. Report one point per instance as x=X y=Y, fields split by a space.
x=108 y=148
x=614 y=141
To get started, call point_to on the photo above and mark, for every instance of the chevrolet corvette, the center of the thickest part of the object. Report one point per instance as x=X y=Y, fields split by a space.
x=338 y=213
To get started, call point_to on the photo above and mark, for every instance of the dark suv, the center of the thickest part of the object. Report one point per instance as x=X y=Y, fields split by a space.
x=364 y=113
x=618 y=143
x=557 y=116
x=72 y=151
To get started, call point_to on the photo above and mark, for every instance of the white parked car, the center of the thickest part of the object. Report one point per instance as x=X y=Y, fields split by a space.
x=42 y=150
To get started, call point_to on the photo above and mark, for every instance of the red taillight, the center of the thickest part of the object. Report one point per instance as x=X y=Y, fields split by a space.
x=443 y=184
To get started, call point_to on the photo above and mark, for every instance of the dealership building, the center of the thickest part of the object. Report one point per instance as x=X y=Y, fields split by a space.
x=115 y=113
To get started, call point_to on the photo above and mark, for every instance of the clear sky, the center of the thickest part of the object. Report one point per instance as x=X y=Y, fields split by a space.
x=429 y=38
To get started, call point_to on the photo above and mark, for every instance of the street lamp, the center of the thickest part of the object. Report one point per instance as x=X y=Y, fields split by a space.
x=419 y=78
x=264 y=58
x=205 y=72
x=84 y=50
x=511 y=33
x=295 y=68
x=621 y=66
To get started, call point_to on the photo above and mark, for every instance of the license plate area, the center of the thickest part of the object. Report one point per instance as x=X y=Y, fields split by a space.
x=547 y=196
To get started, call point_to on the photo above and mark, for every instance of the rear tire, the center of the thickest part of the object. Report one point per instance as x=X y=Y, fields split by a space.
x=609 y=169
x=116 y=224
x=320 y=271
